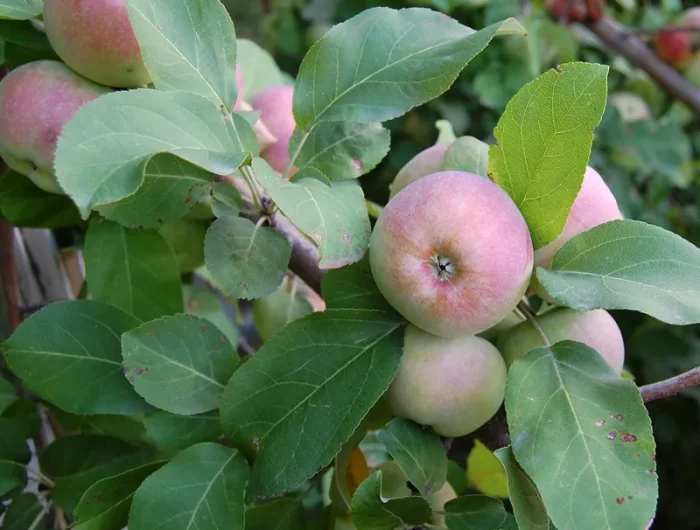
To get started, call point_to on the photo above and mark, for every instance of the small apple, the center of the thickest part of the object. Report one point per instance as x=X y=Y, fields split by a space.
x=595 y=204
x=275 y=106
x=691 y=20
x=452 y=253
x=36 y=101
x=596 y=329
x=424 y=163
x=454 y=385
x=674 y=45
x=95 y=38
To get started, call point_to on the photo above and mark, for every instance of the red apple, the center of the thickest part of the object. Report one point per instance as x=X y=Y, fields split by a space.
x=275 y=106
x=452 y=253
x=674 y=45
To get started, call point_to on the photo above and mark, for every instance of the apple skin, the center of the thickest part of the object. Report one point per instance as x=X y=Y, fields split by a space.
x=36 y=101
x=454 y=385
x=275 y=106
x=499 y=329
x=674 y=46
x=597 y=329
x=95 y=38
x=595 y=204
x=691 y=19
x=424 y=163
x=452 y=253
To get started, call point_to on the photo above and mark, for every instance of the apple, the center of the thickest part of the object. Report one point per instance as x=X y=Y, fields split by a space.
x=691 y=20
x=95 y=38
x=438 y=500
x=491 y=334
x=596 y=329
x=275 y=106
x=454 y=385
x=36 y=101
x=595 y=204
x=630 y=106
x=452 y=253
x=424 y=163
x=674 y=45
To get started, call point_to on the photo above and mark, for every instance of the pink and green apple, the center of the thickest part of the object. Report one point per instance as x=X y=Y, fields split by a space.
x=596 y=329
x=424 y=163
x=454 y=385
x=275 y=106
x=95 y=38
x=452 y=253
x=36 y=101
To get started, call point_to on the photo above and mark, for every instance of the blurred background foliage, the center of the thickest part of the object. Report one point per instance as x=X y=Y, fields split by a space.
x=647 y=148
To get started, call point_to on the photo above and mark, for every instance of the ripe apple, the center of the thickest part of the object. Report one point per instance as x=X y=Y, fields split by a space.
x=674 y=45
x=95 y=38
x=36 y=101
x=595 y=328
x=452 y=253
x=594 y=205
x=424 y=163
x=275 y=106
x=454 y=385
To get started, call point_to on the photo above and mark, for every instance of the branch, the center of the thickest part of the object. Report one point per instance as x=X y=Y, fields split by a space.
x=304 y=260
x=632 y=48
x=670 y=387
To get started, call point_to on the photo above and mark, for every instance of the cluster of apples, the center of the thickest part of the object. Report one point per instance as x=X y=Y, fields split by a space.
x=99 y=50
x=679 y=45
x=452 y=253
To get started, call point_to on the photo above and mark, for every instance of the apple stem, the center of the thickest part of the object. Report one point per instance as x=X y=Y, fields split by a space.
x=527 y=313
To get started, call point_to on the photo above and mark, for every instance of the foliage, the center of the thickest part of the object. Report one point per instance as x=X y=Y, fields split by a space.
x=166 y=421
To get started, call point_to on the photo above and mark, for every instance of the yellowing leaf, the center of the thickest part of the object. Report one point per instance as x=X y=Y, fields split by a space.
x=485 y=472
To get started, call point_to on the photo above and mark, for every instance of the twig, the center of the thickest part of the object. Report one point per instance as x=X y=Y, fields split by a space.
x=527 y=313
x=247 y=173
x=632 y=48
x=42 y=514
x=670 y=387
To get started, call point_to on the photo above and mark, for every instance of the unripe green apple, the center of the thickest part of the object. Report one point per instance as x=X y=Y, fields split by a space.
x=95 y=38
x=452 y=253
x=499 y=329
x=595 y=204
x=454 y=385
x=36 y=101
x=630 y=106
x=275 y=106
x=595 y=328
x=424 y=163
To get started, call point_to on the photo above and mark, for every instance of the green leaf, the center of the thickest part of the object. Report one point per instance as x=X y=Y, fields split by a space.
x=22 y=512
x=485 y=472
x=544 y=142
x=134 y=270
x=24 y=33
x=20 y=9
x=203 y=303
x=628 y=265
x=476 y=512
x=258 y=67
x=334 y=217
x=272 y=313
x=420 y=455
x=226 y=200
x=171 y=188
x=341 y=149
x=283 y=514
x=371 y=512
x=95 y=169
x=176 y=433
x=353 y=287
x=597 y=444
x=105 y=505
x=179 y=364
x=468 y=154
x=24 y=415
x=25 y=205
x=383 y=62
x=456 y=477
x=301 y=396
x=70 y=355
x=245 y=260
x=188 y=46
x=186 y=239
x=8 y=395
x=13 y=451
x=527 y=504
x=127 y=428
x=202 y=488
